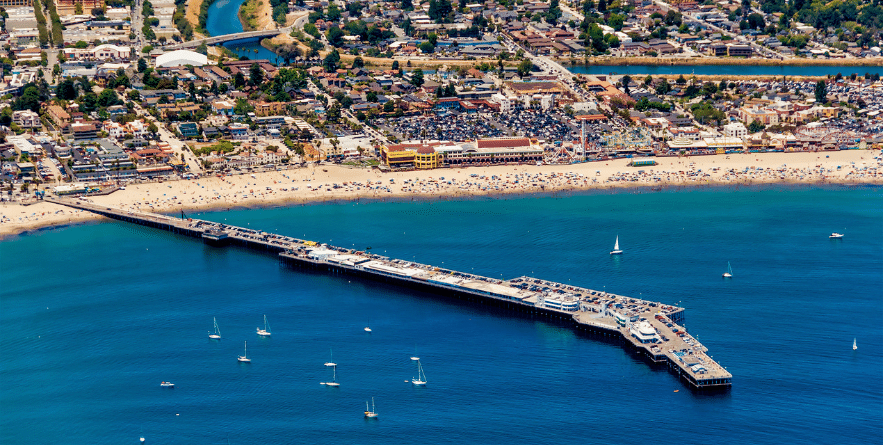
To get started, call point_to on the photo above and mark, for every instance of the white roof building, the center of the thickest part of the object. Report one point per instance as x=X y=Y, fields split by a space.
x=181 y=57
x=735 y=130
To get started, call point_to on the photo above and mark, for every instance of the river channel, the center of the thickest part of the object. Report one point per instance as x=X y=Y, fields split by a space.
x=223 y=19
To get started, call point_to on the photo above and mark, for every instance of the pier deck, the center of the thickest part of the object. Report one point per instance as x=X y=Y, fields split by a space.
x=652 y=329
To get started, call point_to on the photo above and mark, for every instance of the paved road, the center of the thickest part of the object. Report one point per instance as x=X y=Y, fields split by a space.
x=178 y=146
x=370 y=132
x=52 y=59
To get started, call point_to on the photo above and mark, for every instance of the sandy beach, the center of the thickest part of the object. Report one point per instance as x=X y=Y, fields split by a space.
x=317 y=183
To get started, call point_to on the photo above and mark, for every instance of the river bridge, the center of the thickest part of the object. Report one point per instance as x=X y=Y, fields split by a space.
x=651 y=329
x=217 y=40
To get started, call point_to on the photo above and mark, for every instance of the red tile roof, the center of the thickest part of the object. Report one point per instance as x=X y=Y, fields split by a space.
x=503 y=143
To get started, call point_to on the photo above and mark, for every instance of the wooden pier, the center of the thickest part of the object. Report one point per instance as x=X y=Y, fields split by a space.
x=652 y=330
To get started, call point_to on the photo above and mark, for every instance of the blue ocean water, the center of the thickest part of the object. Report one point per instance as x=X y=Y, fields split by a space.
x=93 y=317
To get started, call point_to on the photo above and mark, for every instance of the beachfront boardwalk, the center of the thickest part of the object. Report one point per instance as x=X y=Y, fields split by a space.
x=654 y=330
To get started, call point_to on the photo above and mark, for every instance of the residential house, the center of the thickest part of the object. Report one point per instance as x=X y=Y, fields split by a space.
x=26 y=119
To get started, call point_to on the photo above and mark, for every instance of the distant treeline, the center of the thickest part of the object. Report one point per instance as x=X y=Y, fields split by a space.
x=822 y=14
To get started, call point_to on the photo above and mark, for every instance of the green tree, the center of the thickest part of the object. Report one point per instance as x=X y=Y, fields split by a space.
x=88 y=102
x=755 y=126
x=255 y=74
x=663 y=88
x=417 y=78
x=333 y=14
x=29 y=100
x=312 y=30
x=242 y=107
x=288 y=52
x=333 y=113
x=524 y=67
x=108 y=98
x=331 y=61
x=335 y=36
x=66 y=90
x=821 y=92
x=755 y=21
x=626 y=80
x=554 y=12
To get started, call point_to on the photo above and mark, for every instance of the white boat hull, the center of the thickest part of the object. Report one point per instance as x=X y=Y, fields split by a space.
x=616 y=252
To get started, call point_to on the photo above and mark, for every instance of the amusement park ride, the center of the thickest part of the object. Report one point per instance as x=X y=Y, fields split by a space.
x=629 y=141
x=831 y=138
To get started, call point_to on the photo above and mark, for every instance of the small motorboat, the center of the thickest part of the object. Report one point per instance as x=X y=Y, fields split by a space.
x=167 y=384
x=836 y=235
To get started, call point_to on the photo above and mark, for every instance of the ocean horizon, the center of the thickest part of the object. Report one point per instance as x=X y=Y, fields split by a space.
x=94 y=316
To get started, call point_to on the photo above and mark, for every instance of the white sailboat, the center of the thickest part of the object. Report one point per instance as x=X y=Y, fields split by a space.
x=616 y=250
x=372 y=413
x=421 y=377
x=244 y=358
x=367 y=328
x=729 y=272
x=265 y=332
x=217 y=334
x=331 y=362
x=854 y=347
x=333 y=381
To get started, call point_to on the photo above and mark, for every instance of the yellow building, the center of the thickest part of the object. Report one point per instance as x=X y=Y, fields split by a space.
x=270 y=108
x=426 y=158
x=421 y=156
